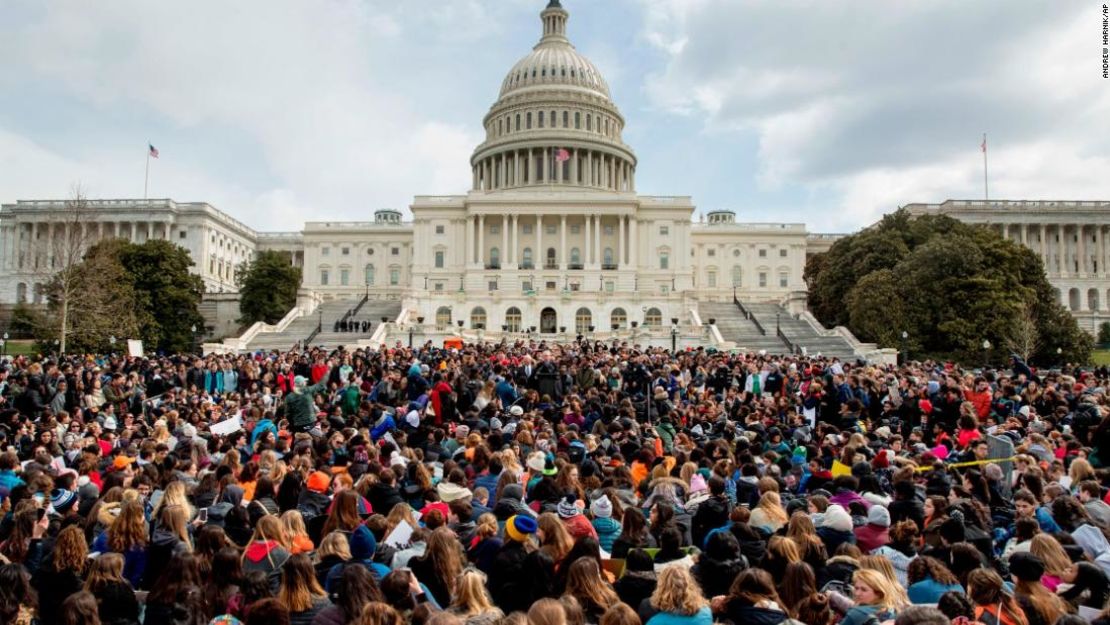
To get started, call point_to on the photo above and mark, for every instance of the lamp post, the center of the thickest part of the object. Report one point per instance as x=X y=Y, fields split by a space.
x=1060 y=356
x=986 y=348
x=193 y=329
x=674 y=335
x=905 y=354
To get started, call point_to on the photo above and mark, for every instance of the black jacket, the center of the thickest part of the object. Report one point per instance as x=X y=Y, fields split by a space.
x=53 y=588
x=636 y=586
x=711 y=514
x=383 y=498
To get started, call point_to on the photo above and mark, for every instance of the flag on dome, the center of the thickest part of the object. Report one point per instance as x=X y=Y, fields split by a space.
x=562 y=155
x=153 y=150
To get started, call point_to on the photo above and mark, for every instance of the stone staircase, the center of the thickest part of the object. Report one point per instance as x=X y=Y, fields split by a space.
x=328 y=313
x=734 y=327
x=800 y=332
x=747 y=334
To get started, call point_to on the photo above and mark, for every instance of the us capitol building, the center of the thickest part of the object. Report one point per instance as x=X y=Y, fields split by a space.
x=551 y=239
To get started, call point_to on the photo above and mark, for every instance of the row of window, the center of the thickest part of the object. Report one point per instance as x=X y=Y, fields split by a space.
x=368 y=276
x=711 y=252
x=346 y=251
x=738 y=278
x=600 y=124
x=583 y=319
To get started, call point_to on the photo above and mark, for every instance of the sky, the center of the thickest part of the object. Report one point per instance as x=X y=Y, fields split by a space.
x=825 y=113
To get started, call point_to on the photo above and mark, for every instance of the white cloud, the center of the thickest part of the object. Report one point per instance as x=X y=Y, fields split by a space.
x=325 y=91
x=876 y=104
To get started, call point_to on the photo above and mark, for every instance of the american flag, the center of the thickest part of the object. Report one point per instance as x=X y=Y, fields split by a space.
x=984 y=144
x=153 y=150
x=562 y=155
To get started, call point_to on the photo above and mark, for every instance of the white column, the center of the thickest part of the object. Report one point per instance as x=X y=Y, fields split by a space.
x=597 y=240
x=574 y=166
x=1101 y=245
x=587 y=247
x=633 y=250
x=481 y=239
x=1081 y=249
x=540 y=256
x=1062 y=250
x=505 y=258
x=1044 y=250
x=620 y=242
x=563 y=242
x=149 y=231
x=547 y=167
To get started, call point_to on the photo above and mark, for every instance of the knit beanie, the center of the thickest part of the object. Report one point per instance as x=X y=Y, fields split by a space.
x=567 y=507
x=601 y=508
x=519 y=527
x=318 y=482
x=62 y=500
x=878 y=515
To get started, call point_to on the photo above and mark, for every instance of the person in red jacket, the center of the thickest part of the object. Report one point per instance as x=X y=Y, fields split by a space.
x=319 y=370
x=876 y=532
x=980 y=397
x=577 y=524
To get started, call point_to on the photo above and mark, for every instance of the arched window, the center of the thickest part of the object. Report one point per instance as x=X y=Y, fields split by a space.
x=653 y=317
x=1092 y=299
x=737 y=276
x=575 y=256
x=527 y=257
x=608 y=256
x=518 y=122
x=1073 y=299
x=578 y=121
x=551 y=261
x=539 y=120
x=582 y=321
x=589 y=122
x=478 y=318
x=664 y=259
x=21 y=293
x=324 y=276
x=566 y=118
x=368 y=274
x=512 y=319
x=443 y=318
x=618 y=318
x=494 y=258
x=528 y=121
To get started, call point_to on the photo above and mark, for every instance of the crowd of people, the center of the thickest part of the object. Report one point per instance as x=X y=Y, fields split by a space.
x=544 y=484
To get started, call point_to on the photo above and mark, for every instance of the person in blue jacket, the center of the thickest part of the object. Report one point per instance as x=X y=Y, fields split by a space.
x=929 y=579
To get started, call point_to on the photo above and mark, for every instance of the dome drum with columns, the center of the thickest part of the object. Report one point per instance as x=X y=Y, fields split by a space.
x=554 y=122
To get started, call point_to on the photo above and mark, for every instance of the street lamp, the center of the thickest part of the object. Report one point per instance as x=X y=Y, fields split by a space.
x=193 y=329
x=986 y=347
x=674 y=335
x=1060 y=356
x=905 y=354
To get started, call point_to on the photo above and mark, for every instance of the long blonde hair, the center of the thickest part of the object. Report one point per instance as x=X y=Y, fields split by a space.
x=294 y=524
x=471 y=598
x=771 y=505
x=174 y=495
x=1048 y=549
x=889 y=596
x=677 y=592
x=334 y=544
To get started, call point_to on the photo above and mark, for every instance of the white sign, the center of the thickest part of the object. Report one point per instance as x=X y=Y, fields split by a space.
x=134 y=348
x=400 y=536
x=228 y=426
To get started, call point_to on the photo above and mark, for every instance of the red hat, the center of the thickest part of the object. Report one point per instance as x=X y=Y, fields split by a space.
x=318 y=482
x=926 y=406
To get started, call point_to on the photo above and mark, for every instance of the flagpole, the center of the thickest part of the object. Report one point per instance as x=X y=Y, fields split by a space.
x=146 y=175
x=986 y=189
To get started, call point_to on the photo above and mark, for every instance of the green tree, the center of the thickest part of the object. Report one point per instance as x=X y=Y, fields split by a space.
x=1104 y=333
x=94 y=299
x=167 y=296
x=949 y=285
x=267 y=288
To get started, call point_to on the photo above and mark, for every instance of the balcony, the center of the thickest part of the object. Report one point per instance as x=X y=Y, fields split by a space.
x=493 y=265
x=575 y=266
x=608 y=266
x=551 y=265
x=527 y=266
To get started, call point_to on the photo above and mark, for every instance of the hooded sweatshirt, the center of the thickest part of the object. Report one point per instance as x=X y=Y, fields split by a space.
x=267 y=556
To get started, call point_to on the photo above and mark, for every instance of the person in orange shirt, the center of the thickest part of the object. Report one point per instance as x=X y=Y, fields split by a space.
x=295 y=529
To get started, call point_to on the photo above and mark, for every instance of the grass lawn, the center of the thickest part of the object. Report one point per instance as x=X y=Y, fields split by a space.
x=16 y=347
x=1100 y=357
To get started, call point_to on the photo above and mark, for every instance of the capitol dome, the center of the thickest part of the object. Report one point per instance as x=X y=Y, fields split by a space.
x=555 y=62
x=554 y=122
